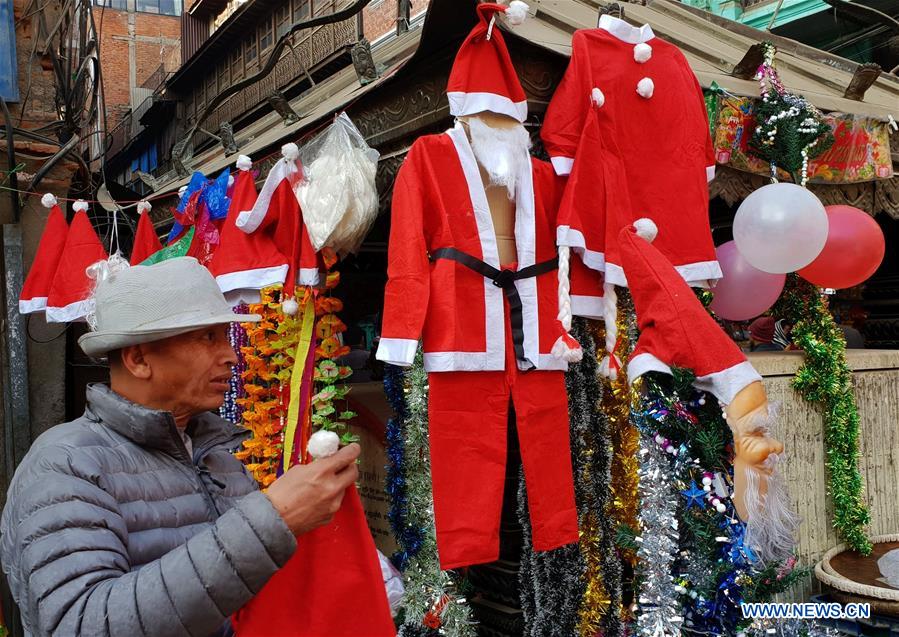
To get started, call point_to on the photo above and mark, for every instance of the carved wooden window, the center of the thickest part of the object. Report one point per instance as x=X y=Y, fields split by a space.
x=250 y=53
x=301 y=10
x=201 y=96
x=236 y=64
x=224 y=80
x=266 y=36
x=282 y=19
x=323 y=7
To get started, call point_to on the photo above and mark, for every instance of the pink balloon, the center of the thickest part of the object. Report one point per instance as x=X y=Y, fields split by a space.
x=853 y=252
x=744 y=292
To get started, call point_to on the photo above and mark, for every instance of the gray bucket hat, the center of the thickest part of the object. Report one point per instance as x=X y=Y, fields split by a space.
x=147 y=303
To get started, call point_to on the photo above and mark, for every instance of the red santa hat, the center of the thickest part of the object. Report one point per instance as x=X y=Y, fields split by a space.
x=244 y=263
x=482 y=77
x=675 y=330
x=49 y=251
x=146 y=241
x=70 y=293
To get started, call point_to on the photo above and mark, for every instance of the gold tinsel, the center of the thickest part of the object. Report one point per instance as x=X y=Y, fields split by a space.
x=595 y=603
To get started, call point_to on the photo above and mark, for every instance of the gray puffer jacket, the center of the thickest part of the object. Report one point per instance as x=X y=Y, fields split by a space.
x=111 y=528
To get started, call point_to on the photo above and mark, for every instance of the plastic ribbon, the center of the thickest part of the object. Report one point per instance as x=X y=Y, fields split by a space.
x=185 y=211
x=296 y=381
x=215 y=196
x=177 y=249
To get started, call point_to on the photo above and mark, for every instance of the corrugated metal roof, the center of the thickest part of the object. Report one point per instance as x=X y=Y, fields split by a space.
x=713 y=47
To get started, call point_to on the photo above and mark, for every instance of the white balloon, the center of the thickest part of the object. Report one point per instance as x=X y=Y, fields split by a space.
x=780 y=228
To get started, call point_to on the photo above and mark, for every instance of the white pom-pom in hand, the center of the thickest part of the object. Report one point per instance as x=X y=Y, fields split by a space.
x=290 y=307
x=323 y=444
x=244 y=162
x=646 y=228
x=645 y=87
x=642 y=52
x=49 y=200
x=516 y=13
x=143 y=206
x=80 y=206
x=290 y=151
x=597 y=97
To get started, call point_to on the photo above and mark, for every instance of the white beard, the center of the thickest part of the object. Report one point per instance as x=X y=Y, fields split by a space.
x=501 y=152
x=772 y=525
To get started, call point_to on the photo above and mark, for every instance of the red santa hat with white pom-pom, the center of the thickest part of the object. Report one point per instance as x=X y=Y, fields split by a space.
x=49 y=252
x=70 y=293
x=675 y=329
x=482 y=77
x=146 y=241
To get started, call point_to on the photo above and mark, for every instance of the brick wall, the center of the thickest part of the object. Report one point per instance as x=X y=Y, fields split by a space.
x=379 y=17
x=133 y=45
x=36 y=107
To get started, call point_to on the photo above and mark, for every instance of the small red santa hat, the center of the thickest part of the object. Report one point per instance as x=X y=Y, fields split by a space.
x=675 y=330
x=245 y=263
x=146 y=241
x=70 y=293
x=482 y=77
x=49 y=251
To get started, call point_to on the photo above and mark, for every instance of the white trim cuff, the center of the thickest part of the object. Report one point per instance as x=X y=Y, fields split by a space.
x=397 y=351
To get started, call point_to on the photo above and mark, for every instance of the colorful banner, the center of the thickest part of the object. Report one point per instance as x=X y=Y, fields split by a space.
x=860 y=153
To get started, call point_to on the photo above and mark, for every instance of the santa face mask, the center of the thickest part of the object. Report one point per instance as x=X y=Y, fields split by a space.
x=501 y=152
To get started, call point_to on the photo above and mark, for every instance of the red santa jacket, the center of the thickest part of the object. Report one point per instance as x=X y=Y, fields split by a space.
x=628 y=121
x=439 y=202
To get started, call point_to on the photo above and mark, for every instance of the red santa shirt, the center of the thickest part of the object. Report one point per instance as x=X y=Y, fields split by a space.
x=649 y=152
x=439 y=202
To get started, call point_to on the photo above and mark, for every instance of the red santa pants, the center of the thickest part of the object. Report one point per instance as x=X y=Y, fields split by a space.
x=468 y=413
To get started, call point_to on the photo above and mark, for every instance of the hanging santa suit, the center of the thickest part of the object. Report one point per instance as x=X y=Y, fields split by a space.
x=628 y=121
x=71 y=290
x=146 y=241
x=483 y=324
x=36 y=288
x=245 y=263
x=277 y=207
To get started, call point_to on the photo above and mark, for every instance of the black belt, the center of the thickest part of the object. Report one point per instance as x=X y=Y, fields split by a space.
x=504 y=279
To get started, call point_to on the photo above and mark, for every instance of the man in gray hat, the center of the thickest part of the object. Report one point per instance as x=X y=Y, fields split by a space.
x=136 y=519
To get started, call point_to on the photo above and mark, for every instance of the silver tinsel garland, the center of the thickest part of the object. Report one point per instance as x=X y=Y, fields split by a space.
x=430 y=592
x=660 y=611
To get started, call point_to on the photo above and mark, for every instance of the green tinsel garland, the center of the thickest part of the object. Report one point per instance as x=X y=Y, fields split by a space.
x=825 y=379
x=432 y=604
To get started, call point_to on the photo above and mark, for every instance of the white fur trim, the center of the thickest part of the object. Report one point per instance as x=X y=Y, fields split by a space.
x=144 y=206
x=397 y=351
x=250 y=220
x=727 y=383
x=80 y=206
x=646 y=228
x=462 y=103
x=243 y=162
x=562 y=165
x=49 y=200
x=645 y=87
x=516 y=13
x=478 y=362
x=494 y=312
x=290 y=151
x=597 y=97
x=586 y=306
x=709 y=173
x=323 y=444
x=252 y=279
x=568 y=236
x=243 y=295
x=71 y=312
x=642 y=52
x=702 y=274
x=309 y=276
x=37 y=304
x=643 y=363
x=624 y=31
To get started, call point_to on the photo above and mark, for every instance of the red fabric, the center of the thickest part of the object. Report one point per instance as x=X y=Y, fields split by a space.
x=246 y=260
x=484 y=66
x=292 y=238
x=644 y=157
x=49 y=252
x=83 y=248
x=444 y=303
x=674 y=326
x=468 y=420
x=331 y=587
x=146 y=241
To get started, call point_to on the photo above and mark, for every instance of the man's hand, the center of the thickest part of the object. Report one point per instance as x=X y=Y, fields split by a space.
x=308 y=496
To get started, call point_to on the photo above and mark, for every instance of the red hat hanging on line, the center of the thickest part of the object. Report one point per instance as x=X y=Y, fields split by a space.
x=69 y=298
x=277 y=206
x=244 y=263
x=482 y=77
x=675 y=330
x=49 y=251
x=146 y=241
